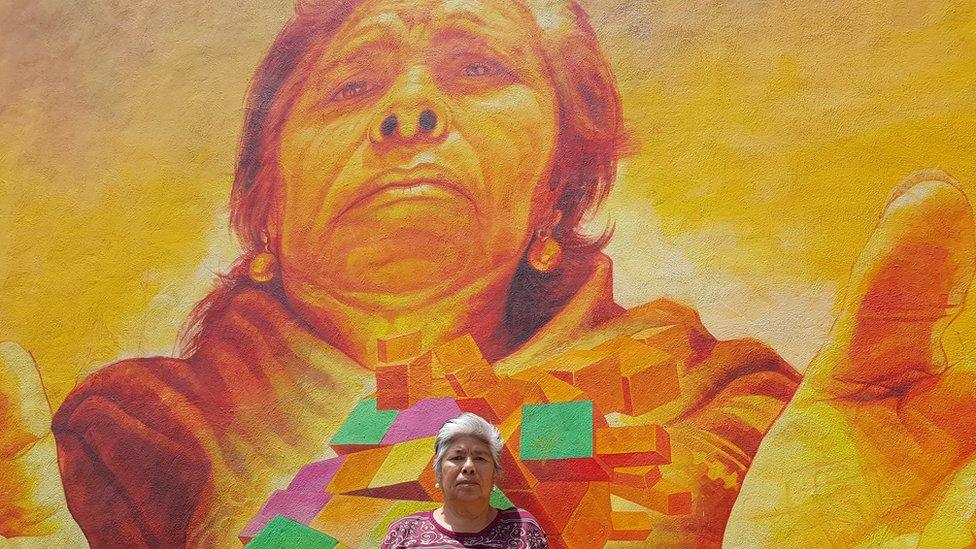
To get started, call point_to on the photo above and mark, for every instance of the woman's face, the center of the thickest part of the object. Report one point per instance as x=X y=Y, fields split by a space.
x=418 y=154
x=467 y=470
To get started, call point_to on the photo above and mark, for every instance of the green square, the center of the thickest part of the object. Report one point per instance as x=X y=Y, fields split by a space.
x=284 y=532
x=557 y=431
x=365 y=425
x=499 y=500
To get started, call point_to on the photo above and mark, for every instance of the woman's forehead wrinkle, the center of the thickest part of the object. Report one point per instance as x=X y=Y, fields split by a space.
x=498 y=16
x=383 y=28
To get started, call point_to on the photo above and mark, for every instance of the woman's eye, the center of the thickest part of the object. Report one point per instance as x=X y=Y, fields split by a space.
x=479 y=69
x=352 y=90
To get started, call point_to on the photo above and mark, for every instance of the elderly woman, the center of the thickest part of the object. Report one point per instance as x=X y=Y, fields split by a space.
x=467 y=463
x=428 y=165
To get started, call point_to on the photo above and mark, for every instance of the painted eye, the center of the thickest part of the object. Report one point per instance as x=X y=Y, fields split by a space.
x=352 y=90
x=479 y=69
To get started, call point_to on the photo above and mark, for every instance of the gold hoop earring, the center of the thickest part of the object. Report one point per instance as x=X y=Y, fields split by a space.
x=544 y=252
x=262 y=267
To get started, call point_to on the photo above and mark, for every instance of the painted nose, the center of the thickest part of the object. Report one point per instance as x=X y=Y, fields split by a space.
x=425 y=125
x=414 y=110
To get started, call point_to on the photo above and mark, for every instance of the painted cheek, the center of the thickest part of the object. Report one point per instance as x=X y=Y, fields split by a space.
x=313 y=159
x=514 y=136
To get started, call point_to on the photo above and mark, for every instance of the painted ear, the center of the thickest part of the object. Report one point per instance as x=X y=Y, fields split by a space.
x=909 y=283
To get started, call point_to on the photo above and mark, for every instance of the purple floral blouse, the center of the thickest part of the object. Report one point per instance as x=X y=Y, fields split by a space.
x=512 y=529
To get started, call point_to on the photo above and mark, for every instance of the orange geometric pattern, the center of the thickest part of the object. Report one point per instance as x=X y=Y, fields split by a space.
x=566 y=479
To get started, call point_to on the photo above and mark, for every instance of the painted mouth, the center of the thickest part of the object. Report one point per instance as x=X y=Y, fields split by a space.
x=416 y=190
x=419 y=184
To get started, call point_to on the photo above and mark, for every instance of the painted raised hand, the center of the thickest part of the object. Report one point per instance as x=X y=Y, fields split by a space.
x=878 y=445
x=33 y=510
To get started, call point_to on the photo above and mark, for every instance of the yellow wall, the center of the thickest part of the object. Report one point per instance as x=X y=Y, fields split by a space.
x=770 y=135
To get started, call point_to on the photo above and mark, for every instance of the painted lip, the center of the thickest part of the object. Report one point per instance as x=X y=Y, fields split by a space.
x=424 y=182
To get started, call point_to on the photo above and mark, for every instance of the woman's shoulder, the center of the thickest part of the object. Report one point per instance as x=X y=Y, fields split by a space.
x=517 y=514
x=201 y=380
x=411 y=521
x=515 y=522
x=132 y=466
x=404 y=532
x=140 y=403
x=126 y=386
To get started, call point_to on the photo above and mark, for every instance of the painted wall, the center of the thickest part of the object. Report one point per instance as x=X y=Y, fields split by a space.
x=766 y=141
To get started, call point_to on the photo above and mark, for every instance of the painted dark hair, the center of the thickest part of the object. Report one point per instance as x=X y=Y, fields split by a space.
x=591 y=138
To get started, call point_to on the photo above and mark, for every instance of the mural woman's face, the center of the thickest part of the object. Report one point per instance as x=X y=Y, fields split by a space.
x=417 y=156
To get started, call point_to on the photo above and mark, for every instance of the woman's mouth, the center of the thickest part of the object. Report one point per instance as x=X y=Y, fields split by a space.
x=412 y=191
x=418 y=185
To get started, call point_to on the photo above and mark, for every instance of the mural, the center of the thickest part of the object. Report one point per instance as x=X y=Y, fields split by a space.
x=704 y=265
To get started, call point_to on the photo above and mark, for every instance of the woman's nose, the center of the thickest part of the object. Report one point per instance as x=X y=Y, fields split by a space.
x=414 y=112
x=427 y=124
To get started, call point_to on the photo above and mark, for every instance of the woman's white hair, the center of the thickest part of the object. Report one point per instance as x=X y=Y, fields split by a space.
x=472 y=425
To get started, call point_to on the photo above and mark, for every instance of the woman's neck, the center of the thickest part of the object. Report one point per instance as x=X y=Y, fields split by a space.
x=465 y=517
x=354 y=326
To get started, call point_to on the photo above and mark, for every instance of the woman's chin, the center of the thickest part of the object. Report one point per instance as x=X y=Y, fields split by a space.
x=398 y=278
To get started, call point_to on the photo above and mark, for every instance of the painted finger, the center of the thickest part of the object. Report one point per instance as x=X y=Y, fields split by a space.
x=25 y=416
x=33 y=509
x=908 y=284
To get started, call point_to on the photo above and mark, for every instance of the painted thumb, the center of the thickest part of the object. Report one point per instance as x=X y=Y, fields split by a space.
x=33 y=508
x=908 y=284
x=25 y=415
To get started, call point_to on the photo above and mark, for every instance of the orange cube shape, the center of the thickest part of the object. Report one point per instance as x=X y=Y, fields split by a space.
x=632 y=445
x=649 y=377
x=664 y=497
x=590 y=524
x=595 y=372
x=343 y=517
x=398 y=477
x=400 y=386
x=398 y=348
x=457 y=353
x=501 y=401
x=641 y=477
x=630 y=525
x=674 y=339
x=358 y=470
x=555 y=389
x=473 y=379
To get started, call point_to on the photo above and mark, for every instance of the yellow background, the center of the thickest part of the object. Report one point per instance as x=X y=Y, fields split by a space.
x=770 y=135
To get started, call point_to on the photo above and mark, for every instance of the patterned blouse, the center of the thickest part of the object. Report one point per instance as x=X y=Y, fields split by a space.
x=512 y=528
